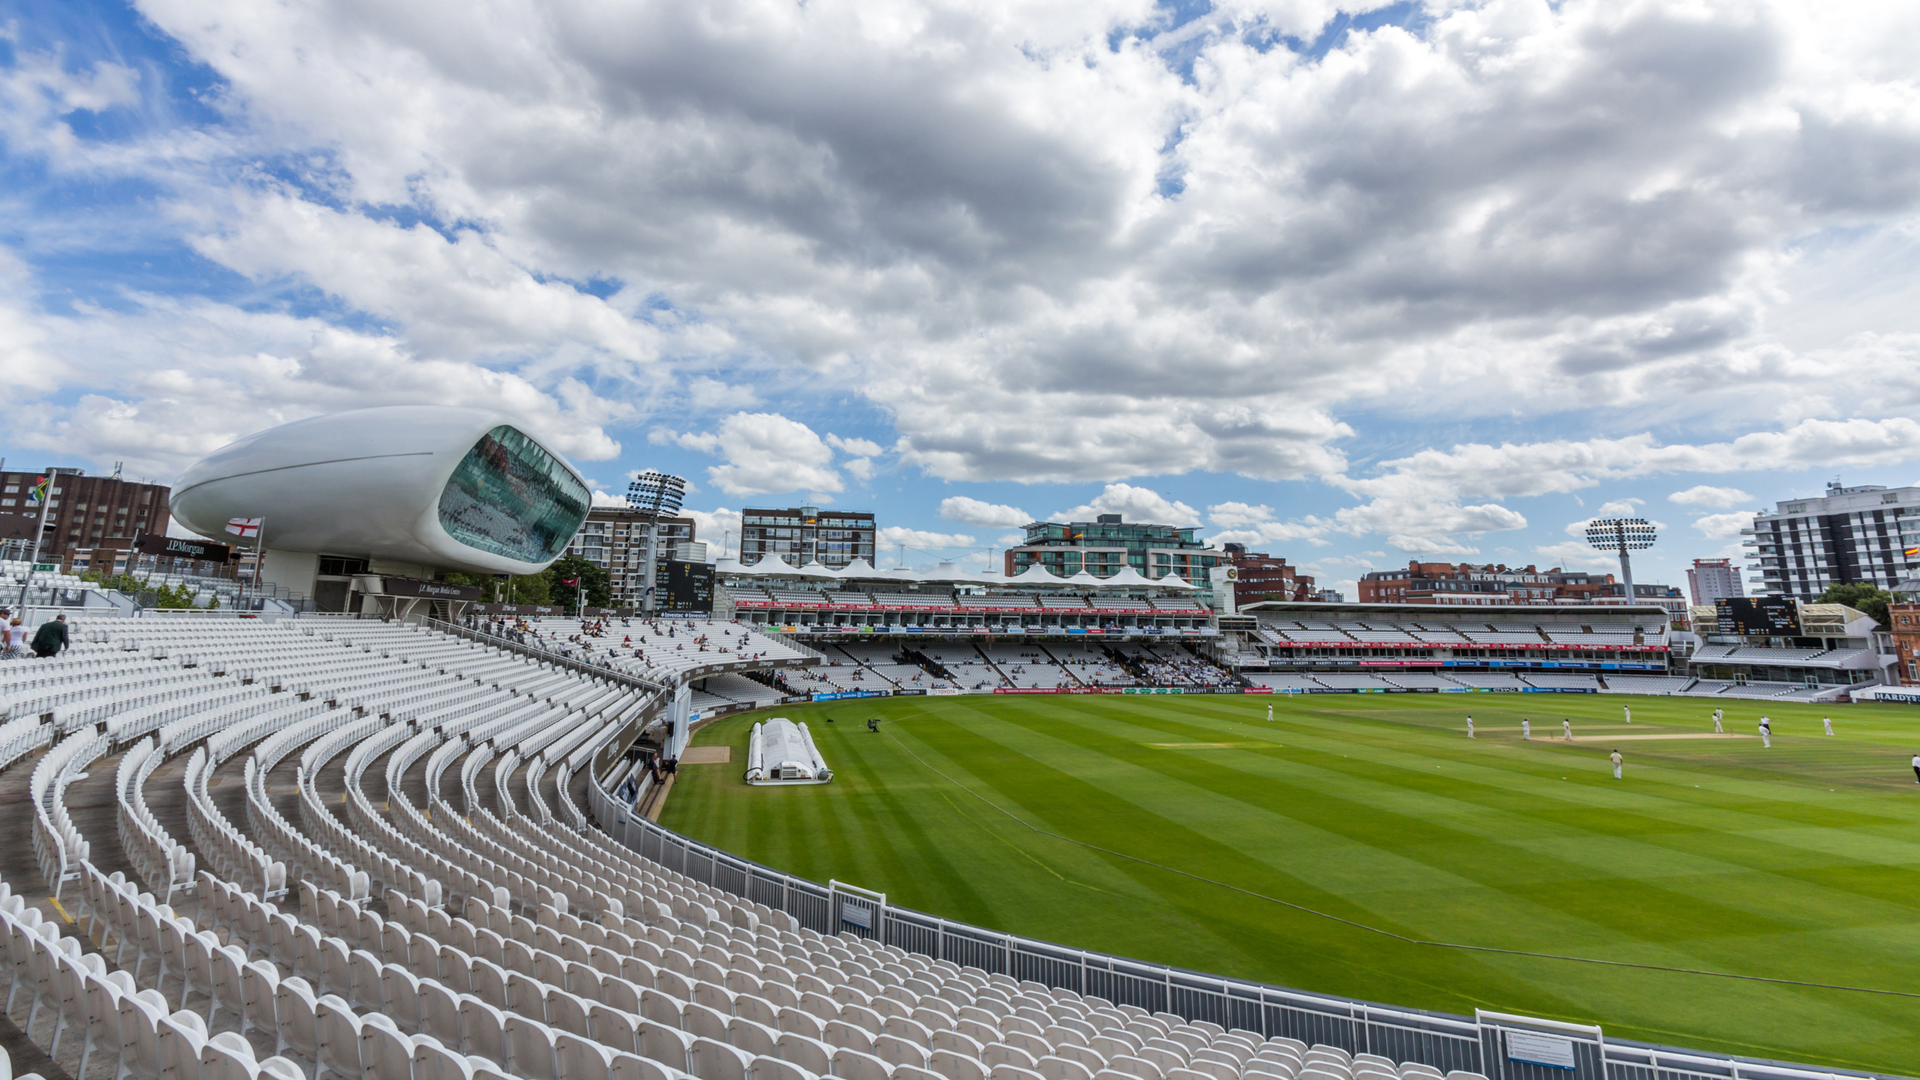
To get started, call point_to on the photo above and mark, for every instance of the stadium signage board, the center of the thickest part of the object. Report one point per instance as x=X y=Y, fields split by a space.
x=1532 y=1048
x=432 y=590
x=181 y=548
x=1764 y=616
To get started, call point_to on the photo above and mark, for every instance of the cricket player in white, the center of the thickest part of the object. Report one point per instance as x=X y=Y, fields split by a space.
x=1567 y=727
x=1617 y=759
x=1628 y=709
x=1469 y=727
x=1269 y=714
x=1717 y=729
x=1766 y=733
x=1526 y=732
x=1827 y=722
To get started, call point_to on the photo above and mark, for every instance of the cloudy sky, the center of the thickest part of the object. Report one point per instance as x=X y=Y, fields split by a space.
x=1355 y=286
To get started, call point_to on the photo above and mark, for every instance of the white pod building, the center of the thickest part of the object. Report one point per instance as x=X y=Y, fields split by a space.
x=400 y=490
x=780 y=751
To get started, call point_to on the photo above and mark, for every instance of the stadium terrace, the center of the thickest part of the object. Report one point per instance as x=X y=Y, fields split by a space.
x=417 y=839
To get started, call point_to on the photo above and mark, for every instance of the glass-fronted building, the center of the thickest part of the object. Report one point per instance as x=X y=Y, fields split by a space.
x=1107 y=545
x=802 y=534
x=509 y=497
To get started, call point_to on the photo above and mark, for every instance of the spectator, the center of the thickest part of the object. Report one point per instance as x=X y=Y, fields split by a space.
x=51 y=637
x=13 y=639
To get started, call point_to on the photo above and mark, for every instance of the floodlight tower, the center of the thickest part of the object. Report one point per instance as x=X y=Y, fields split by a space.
x=1622 y=535
x=655 y=494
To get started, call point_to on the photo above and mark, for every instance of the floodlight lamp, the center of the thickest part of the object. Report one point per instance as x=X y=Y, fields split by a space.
x=1621 y=534
x=657 y=492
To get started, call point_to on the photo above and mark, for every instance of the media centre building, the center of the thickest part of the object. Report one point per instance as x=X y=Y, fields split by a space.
x=361 y=509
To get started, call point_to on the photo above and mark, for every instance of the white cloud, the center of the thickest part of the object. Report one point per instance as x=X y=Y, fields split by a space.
x=859 y=468
x=1574 y=555
x=1722 y=526
x=855 y=447
x=1620 y=508
x=607 y=498
x=892 y=536
x=1229 y=514
x=969 y=511
x=709 y=394
x=1011 y=539
x=1706 y=495
x=1134 y=504
x=718 y=528
x=1428 y=545
x=767 y=453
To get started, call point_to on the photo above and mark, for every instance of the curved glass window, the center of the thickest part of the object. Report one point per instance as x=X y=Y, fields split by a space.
x=510 y=497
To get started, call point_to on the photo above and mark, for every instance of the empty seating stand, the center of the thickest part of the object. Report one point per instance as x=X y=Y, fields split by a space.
x=353 y=849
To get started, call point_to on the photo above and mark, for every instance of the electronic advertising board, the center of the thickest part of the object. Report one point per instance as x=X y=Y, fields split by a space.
x=1766 y=616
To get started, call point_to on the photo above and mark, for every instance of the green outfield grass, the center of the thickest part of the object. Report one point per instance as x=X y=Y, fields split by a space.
x=1800 y=862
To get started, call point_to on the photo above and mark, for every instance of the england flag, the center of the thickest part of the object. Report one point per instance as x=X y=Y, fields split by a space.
x=245 y=526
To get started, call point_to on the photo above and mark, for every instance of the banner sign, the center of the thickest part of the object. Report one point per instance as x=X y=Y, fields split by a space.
x=543 y=610
x=182 y=548
x=428 y=590
x=850 y=694
x=1532 y=1048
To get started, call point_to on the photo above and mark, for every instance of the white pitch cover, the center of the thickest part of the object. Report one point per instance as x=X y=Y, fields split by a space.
x=782 y=752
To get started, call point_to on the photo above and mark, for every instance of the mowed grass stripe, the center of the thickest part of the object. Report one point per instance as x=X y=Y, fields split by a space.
x=1345 y=805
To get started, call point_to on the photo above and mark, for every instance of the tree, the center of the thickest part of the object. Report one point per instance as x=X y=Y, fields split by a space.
x=1869 y=599
x=526 y=589
x=596 y=580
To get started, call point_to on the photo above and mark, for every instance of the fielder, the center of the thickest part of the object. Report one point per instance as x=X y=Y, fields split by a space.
x=1766 y=733
x=1827 y=722
x=1717 y=729
x=1469 y=727
x=1269 y=713
x=1916 y=768
x=1566 y=726
x=1526 y=732
x=1628 y=709
x=1617 y=759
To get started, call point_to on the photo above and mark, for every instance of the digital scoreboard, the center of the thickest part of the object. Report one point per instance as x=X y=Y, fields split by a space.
x=1766 y=616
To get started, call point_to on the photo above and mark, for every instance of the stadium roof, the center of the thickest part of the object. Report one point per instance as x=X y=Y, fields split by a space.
x=774 y=566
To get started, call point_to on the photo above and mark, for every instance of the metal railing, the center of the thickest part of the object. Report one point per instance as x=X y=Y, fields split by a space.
x=1497 y=1045
x=1484 y=1043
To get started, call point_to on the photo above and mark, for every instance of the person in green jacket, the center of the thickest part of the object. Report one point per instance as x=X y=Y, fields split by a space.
x=51 y=637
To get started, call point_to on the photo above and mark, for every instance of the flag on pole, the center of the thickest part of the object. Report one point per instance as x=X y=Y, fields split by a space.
x=37 y=494
x=244 y=526
x=569 y=581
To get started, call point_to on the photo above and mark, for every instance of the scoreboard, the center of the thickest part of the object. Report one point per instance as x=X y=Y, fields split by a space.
x=1766 y=616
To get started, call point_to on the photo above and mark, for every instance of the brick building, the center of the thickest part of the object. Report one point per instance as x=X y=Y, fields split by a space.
x=1264 y=577
x=1903 y=620
x=1465 y=583
x=91 y=520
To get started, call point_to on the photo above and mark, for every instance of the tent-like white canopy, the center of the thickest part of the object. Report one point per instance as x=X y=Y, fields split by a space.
x=1173 y=581
x=1035 y=575
x=1084 y=578
x=1127 y=576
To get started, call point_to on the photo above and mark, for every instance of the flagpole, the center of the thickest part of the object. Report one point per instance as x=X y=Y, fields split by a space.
x=259 y=554
x=46 y=501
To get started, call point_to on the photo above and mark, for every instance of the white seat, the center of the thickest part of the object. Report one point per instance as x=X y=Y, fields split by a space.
x=531 y=1051
x=384 y=1050
x=181 y=1036
x=954 y=1067
x=339 y=1036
